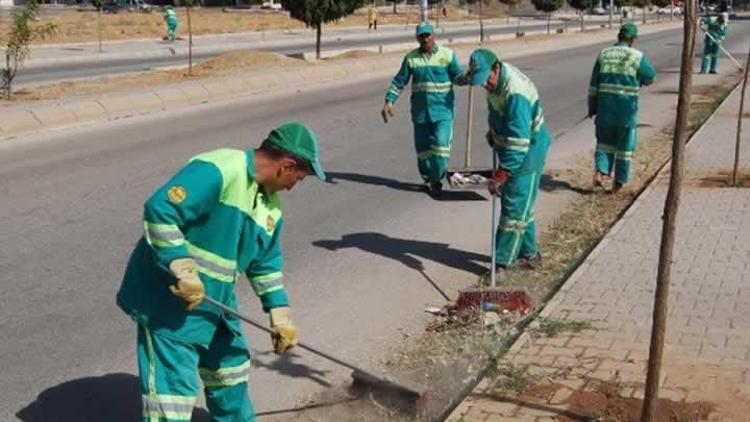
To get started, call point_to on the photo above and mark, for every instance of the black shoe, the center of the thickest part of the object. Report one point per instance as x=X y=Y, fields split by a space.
x=530 y=263
x=435 y=188
x=713 y=72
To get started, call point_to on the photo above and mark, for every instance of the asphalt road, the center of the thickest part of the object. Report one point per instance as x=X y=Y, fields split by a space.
x=301 y=42
x=358 y=250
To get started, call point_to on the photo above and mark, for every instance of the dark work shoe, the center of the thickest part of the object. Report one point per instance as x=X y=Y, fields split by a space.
x=530 y=263
x=436 y=188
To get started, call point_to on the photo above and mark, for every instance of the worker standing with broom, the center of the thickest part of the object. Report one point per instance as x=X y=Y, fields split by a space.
x=218 y=216
x=717 y=30
x=520 y=139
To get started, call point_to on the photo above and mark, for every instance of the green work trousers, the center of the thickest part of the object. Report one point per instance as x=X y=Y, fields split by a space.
x=516 y=234
x=169 y=371
x=171 y=29
x=432 y=141
x=615 y=144
x=710 y=59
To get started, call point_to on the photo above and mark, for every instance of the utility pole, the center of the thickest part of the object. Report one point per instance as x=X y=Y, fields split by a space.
x=611 y=12
x=423 y=10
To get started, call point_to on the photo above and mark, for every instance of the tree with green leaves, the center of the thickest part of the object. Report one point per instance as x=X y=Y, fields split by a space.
x=511 y=7
x=98 y=4
x=317 y=12
x=22 y=31
x=643 y=4
x=582 y=6
x=548 y=6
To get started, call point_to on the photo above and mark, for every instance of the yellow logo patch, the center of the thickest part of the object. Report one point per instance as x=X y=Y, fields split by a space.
x=270 y=224
x=176 y=194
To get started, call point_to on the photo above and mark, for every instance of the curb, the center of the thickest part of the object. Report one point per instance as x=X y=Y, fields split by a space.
x=553 y=304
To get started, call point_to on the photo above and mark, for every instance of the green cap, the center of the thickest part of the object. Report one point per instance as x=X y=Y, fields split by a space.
x=300 y=141
x=629 y=30
x=424 y=28
x=480 y=65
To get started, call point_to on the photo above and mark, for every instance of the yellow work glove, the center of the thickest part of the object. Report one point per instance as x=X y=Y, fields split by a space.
x=285 y=333
x=387 y=111
x=189 y=286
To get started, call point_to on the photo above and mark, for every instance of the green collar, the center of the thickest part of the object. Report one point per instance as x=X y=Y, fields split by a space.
x=250 y=154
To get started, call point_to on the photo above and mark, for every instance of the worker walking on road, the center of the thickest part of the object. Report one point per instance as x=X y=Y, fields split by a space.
x=434 y=70
x=618 y=74
x=217 y=217
x=372 y=17
x=520 y=139
x=170 y=17
x=717 y=30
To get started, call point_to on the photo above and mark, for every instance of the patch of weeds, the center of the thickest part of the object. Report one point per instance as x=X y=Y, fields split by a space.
x=504 y=377
x=551 y=327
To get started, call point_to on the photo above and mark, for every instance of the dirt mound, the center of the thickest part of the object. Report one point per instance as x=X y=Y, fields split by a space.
x=229 y=62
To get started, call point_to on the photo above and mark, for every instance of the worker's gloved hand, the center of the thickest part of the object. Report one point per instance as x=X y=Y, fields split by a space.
x=285 y=333
x=387 y=111
x=496 y=182
x=189 y=286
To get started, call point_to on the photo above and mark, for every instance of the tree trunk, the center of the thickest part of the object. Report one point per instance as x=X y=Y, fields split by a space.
x=190 y=42
x=481 y=23
x=99 y=26
x=739 y=125
x=319 y=30
x=8 y=76
x=644 y=15
x=583 y=26
x=549 y=16
x=671 y=206
x=395 y=12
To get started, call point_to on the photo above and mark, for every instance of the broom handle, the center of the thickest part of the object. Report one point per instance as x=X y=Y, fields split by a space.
x=261 y=327
x=494 y=227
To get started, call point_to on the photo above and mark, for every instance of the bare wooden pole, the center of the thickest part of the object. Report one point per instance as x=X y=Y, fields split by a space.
x=739 y=124
x=469 y=118
x=671 y=207
x=190 y=40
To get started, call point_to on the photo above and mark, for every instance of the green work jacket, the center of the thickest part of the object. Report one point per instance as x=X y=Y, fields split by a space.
x=519 y=133
x=433 y=76
x=618 y=74
x=215 y=212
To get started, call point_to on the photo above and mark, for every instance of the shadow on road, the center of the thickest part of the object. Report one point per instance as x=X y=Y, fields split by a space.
x=286 y=366
x=405 y=250
x=550 y=184
x=112 y=398
x=446 y=195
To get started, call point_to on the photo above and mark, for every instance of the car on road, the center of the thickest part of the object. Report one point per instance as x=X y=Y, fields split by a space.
x=115 y=6
x=669 y=10
x=599 y=11
x=271 y=5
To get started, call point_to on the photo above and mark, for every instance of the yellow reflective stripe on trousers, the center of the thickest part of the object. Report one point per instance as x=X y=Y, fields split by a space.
x=264 y=284
x=163 y=235
x=165 y=406
x=615 y=89
x=593 y=91
x=623 y=155
x=437 y=87
x=151 y=367
x=225 y=377
x=213 y=265
x=526 y=219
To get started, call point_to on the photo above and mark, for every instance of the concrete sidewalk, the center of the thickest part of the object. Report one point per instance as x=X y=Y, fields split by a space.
x=707 y=356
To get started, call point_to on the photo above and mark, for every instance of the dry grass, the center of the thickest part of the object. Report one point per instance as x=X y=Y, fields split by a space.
x=82 y=26
x=224 y=64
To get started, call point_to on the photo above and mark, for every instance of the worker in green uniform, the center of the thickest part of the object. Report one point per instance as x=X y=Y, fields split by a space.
x=619 y=72
x=717 y=30
x=170 y=17
x=219 y=216
x=520 y=139
x=434 y=70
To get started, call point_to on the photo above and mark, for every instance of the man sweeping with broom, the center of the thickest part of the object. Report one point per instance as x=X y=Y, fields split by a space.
x=519 y=138
x=220 y=215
